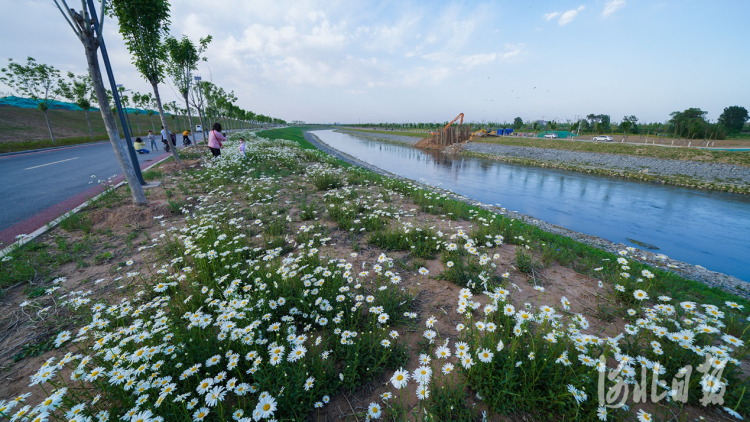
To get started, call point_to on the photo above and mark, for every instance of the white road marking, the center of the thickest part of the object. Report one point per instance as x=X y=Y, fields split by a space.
x=49 y=164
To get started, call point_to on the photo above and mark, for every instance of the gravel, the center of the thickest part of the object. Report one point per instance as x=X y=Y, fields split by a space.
x=694 y=272
x=710 y=172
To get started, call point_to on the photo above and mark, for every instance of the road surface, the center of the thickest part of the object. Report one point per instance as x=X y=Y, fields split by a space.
x=36 y=182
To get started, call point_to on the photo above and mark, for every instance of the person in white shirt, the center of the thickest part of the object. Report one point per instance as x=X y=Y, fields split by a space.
x=166 y=134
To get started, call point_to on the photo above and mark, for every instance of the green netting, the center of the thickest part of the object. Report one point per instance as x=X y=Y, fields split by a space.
x=56 y=105
x=559 y=133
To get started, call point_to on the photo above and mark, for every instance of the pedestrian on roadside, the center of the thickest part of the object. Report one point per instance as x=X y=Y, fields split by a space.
x=215 y=138
x=140 y=147
x=242 y=147
x=152 y=139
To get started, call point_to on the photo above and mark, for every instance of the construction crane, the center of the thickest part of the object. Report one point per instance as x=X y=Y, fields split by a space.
x=460 y=116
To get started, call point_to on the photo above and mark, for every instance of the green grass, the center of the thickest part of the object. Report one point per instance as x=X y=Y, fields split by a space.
x=740 y=158
x=295 y=134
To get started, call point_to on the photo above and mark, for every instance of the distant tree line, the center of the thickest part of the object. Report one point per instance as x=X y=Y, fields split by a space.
x=689 y=124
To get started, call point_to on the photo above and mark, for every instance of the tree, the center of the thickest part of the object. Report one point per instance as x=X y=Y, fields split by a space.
x=36 y=81
x=137 y=109
x=517 y=123
x=148 y=103
x=143 y=24
x=82 y=25
x=184 y=57
x=79 y=91
x=733 y=118
x=691 y=124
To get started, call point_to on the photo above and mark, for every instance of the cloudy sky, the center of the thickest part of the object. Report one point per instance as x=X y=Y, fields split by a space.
x=398 y=61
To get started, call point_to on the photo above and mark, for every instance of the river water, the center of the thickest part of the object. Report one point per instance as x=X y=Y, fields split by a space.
x=707 y=228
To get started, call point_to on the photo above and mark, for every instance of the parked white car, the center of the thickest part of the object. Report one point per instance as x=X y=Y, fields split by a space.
x=605 y=138
x=198 y=128
x=551 y=136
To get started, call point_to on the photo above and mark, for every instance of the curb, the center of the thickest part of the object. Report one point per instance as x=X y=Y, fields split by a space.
x=52 y=224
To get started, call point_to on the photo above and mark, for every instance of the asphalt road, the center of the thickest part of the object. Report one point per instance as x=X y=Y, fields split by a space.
x=36 y=181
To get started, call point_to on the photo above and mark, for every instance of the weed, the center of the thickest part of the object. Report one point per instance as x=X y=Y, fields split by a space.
x=326 y=181
x=76 y=221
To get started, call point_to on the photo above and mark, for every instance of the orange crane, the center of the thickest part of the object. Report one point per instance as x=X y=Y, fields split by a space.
x=460 y=116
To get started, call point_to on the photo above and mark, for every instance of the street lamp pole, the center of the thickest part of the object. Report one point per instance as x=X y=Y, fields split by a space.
x=116 y=96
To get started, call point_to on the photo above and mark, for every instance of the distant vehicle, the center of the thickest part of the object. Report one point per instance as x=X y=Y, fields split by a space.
x=198 y=128
x=551 y=135
x=605 y=138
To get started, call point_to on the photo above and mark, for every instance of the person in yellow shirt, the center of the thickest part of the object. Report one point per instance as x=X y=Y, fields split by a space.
x=140 y=146
x=186 y=137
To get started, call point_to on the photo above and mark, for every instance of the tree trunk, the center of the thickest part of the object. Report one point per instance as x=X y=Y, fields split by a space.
x=203 y=126
x=190 y=118
x=153 y=128
x=139 y=197
x=91 y=131
x=51 y=135
x=139 y=124
x=163 y=119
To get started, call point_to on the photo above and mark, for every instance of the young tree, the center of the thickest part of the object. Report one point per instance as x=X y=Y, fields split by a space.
x=79 y=91
x=517 y=123
x=82 y=25
x=36 y=81
x=733 y=118
x=184 y=57
x=198 y=98
x=137 y=109
x=148 y=103
x=144 y=23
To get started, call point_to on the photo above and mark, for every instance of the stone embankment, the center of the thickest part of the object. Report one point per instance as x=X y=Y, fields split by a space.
x=709 y=172
x=694 y=272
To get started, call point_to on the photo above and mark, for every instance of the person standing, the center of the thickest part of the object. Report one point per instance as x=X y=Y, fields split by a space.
x=242 y=147
x=152 y=139
x=215 y=138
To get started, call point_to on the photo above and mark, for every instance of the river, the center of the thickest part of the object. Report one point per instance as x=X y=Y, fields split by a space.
x=707 y=228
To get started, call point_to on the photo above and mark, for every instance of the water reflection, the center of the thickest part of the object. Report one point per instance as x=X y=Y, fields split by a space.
x=701 y=227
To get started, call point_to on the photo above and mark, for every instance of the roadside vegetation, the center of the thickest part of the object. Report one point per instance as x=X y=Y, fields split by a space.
x=287 y=286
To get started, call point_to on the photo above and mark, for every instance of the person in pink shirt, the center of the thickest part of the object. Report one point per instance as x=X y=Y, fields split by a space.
x=214 y=139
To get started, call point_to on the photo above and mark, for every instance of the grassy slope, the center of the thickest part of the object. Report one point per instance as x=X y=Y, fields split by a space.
x=740 y=158
x=23 y=129
x=289 y=133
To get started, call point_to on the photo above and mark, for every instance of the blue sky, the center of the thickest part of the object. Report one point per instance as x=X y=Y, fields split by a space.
x=349 y=61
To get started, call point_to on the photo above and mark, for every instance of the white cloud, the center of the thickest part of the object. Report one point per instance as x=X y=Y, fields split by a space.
x=550 y=16
x=570 y=15
x=612 y=6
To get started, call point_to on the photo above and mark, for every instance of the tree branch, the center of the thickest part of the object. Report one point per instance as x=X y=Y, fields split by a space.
x=101 y=18
x=77 y=32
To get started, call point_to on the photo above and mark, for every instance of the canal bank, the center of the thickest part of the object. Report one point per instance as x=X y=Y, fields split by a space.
x=692 y=174
x=699 y=273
